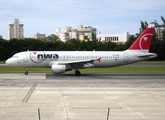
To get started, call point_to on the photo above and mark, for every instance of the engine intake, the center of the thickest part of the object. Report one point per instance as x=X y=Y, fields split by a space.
x=58 y=69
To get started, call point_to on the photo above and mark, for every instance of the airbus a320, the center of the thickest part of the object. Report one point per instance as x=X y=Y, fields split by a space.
x=62 y=61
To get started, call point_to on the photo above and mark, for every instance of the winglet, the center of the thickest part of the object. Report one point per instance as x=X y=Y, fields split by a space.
x=143 y=42
x=99 y=59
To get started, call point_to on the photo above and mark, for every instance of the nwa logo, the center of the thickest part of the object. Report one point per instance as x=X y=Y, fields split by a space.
x=145 y=41
x=38 y=57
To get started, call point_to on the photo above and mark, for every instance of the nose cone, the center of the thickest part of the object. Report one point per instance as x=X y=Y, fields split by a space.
x=8 y=61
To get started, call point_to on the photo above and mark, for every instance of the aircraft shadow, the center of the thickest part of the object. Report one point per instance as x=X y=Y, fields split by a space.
x=73 y=76
x=99 y=76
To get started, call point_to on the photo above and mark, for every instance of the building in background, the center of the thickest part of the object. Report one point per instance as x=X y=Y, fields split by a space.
x=114 y=37
x=39 y=36
x=15 y=30
x=159 y=29
x=81 y=33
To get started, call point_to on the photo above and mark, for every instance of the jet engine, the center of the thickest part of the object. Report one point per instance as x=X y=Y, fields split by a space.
x=58 y=69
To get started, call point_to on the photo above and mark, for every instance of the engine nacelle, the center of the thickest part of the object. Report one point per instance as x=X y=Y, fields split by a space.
x=58 y=69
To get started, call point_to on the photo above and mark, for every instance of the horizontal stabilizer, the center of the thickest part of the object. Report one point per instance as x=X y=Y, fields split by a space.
x=147 y=55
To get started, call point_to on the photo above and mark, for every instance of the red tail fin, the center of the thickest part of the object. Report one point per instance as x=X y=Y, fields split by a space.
x=143 y=42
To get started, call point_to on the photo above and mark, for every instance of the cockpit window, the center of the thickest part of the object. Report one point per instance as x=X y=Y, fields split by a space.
x=14 y=56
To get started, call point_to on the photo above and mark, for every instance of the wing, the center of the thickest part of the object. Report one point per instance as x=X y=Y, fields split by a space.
x=78 y=63
x=75 y=62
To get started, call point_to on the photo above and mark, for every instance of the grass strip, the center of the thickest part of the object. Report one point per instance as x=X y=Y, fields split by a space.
x=121 y=69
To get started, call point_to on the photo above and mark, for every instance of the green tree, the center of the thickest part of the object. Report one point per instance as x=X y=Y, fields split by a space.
x=163 y=20
x=93 y=36
x=52 y=38
x=110 y=46
x=144 y=25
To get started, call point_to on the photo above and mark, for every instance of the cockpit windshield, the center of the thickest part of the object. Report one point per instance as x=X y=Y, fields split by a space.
x=14 y=56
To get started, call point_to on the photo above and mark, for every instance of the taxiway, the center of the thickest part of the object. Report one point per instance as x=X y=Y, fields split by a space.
x=88 y=97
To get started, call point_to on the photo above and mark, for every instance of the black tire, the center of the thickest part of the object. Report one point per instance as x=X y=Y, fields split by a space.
x=77 y=72
x=26 y=73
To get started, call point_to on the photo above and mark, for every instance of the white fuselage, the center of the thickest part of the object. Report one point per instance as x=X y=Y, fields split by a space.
x=44 y=59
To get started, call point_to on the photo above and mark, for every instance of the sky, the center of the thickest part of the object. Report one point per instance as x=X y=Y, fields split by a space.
x=108 y=16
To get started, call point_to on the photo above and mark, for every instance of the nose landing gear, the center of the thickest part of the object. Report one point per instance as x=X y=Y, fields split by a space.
x=26 y=72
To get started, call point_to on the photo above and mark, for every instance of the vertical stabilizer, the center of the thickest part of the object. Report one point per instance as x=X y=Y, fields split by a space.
x=143 y=42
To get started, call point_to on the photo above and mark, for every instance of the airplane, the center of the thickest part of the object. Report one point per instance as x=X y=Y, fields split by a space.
x=62 y=61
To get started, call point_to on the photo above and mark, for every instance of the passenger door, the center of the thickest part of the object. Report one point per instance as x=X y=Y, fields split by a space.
x=25 y=57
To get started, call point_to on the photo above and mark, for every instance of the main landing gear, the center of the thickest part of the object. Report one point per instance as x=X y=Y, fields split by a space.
x=77 y=72
x=26 y=72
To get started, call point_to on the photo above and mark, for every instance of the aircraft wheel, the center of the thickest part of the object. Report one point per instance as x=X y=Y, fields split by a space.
x=26 y=73
x=77 y=72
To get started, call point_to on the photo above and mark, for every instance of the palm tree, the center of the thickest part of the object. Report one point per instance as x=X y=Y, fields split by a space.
x=163 y=20
x=144 y=25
